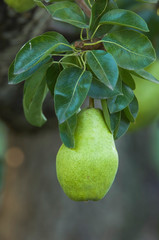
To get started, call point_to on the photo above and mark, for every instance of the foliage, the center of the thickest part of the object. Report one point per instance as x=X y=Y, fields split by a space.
x=20 y=5
x=101 y=65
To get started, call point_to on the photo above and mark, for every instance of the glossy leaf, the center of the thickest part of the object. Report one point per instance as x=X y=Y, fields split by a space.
x=123 y=126
x=106 y=114
x=148 y=1
x=115 y=121
x=70 y=61
x=145 y=75
x=17 y=78
x=35 y=90
x=70 y=91
x=67 y=130
x=98 y=9
x=51 y=77
x=127 y=78
x=125 y=18
x=120 y=102
x=99 y=91
x=51 y=1
x=103 y=29
x=132 y=110
x=104 y=67
x=38 y=49
x=68 y=12
x=131 y=50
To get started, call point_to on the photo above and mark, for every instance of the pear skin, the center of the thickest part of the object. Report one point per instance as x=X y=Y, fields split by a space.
x=88 y=171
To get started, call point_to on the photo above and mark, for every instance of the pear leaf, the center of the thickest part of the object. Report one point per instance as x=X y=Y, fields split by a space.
x=38 y=49
x=131 y=110
x=103 y=29
x=132 y=50
x=127 y=78
x=104 y=67
x=148 y=1
x=115 y=121
x=51 y=77
x=145 y=75
x=70 y=61
x=100 y=91
x=35 y=91
x=98 y=9
x=17 y=78
x=125 y=18
x=68 y=12
x=71 y=90
x=121 y=101
x=106 y=114
x=67 y=130
x=123 y=126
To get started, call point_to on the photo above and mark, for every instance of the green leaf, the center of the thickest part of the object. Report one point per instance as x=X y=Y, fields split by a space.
x=131 y=50
x=17 y=78
x=120 y=102
x=51 y=1
x=68 y=12
x=51 y=77
x=38 y=49
x=123 y=126
x=106 y=114
x=99 y=91
x=127 y=78
x=115 y=121
x=70 y=91
x=103 y=29
x=70 y=61
x=98 y=9
x=35 y=90
x=39 y=3
x=67 y=130
x=145 y=75
x=148 y=1
x=132 y=110
x=104 y=67
x=125 y=18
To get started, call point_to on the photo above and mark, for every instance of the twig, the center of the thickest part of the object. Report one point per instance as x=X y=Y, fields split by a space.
x=84 y=7
x=93 y=46
x=91 y=102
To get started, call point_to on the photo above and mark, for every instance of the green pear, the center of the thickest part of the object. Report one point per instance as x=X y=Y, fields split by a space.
x=88 y=171
x=20 y=5
x=147 y=94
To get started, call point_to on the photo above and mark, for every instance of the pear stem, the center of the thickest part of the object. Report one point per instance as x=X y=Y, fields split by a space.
x=91 y=102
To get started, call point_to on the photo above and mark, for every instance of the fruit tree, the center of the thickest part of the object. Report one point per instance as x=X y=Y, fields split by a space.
x=103 y=64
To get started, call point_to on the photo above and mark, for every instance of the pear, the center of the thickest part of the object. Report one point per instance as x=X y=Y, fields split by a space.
x=147 y=94
x=20 y=5
x=88 y=171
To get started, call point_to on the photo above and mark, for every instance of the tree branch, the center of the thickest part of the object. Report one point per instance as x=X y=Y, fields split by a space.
x=84 y=7
x=97 y=46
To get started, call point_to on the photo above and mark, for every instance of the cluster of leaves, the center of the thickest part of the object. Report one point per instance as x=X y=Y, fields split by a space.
x=150 y=13
x=105 y=74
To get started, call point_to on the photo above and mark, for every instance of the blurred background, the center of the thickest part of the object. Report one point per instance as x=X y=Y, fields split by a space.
x=32 y=204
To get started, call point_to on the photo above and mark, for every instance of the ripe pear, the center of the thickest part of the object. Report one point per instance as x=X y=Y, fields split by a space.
x=20 y=5
x=87 y=171
x=147 y=94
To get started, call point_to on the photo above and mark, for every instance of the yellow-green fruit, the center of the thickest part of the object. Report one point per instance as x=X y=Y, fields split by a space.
x=147 y=94
x=88 y=171
x=20 y=5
